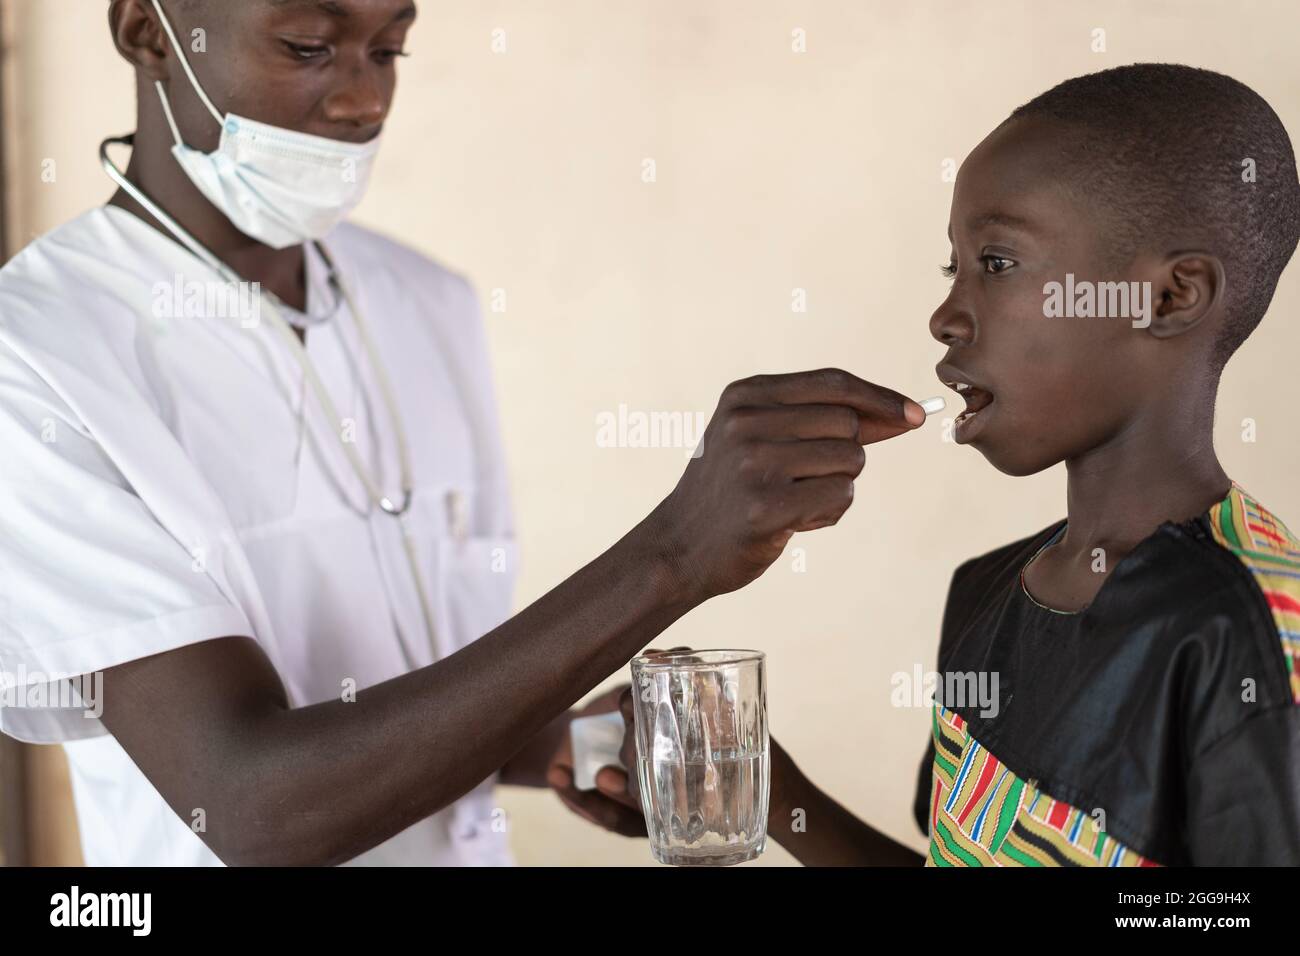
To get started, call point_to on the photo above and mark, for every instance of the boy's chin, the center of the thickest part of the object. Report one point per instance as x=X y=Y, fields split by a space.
x=1015 y=462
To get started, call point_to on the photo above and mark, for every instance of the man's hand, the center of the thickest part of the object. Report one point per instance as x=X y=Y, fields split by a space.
x=614 y=803
x=779 y=456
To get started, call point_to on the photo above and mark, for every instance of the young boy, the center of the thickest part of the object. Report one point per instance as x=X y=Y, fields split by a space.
x=1145 y=646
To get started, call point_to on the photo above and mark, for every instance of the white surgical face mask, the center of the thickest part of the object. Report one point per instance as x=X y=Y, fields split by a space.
x=279 y=186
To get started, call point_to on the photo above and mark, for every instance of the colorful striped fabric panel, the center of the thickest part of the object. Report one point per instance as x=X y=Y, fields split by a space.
x=1263 y=544
x=982 y=814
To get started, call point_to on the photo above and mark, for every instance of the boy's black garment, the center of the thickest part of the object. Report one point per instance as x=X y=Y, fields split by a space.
x=1159 y=725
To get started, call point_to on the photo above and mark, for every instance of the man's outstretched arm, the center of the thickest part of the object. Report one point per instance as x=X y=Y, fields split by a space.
x=210 y=726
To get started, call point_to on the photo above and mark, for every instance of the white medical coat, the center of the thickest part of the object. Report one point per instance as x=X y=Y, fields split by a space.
x=167 y=476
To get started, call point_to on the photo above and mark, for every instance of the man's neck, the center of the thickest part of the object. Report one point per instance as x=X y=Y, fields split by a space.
x=156 y=173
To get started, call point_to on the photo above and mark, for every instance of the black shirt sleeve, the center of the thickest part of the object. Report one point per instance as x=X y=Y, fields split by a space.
x=1243 y=794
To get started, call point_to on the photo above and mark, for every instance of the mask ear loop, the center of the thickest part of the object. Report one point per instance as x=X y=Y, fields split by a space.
x=189 y=72
x=167 y=111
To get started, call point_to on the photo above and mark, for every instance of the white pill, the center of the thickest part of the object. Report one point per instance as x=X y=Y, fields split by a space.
x=932 y=405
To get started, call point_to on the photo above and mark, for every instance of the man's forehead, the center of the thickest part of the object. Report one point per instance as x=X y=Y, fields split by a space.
x=401 y=9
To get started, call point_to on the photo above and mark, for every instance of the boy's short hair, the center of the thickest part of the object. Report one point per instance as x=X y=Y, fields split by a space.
x=1166 y=153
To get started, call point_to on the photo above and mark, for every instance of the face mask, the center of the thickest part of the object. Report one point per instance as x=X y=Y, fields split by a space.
x=279 y=186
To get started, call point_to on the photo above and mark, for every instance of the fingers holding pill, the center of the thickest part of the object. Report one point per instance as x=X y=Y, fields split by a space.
x=827 y=386
x=791 y=423
x=881 y=412
x=778 y=456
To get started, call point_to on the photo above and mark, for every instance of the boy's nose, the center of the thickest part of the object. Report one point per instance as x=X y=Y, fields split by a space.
x=951 y=324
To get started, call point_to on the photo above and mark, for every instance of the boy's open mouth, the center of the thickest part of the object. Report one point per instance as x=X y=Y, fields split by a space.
x=977 y=399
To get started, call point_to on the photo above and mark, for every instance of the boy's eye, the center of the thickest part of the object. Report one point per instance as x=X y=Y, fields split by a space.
x=992 y=266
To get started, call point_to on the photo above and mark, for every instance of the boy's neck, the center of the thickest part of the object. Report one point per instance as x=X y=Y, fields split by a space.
x=1119 y=493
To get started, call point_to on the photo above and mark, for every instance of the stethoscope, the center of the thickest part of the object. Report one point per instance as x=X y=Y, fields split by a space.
x=377 y=497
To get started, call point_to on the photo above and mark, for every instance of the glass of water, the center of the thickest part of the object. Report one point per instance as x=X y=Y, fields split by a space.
x=702 y=755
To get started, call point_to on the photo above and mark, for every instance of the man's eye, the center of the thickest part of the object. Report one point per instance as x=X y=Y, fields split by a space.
x=388 y=56
x=306 y=51
x=996 y=264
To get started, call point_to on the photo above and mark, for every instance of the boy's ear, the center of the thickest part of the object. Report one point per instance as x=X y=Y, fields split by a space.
x=1186 y=288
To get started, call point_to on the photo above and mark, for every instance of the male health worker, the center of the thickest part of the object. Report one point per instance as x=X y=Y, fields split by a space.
x=252 y=490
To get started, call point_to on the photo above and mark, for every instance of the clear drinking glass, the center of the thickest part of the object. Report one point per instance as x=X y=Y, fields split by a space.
x=702 y=755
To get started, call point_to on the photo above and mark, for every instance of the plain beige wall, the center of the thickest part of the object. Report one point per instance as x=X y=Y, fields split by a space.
x=776 y=170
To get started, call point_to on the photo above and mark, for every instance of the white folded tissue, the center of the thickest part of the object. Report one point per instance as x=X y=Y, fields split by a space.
x=596 y=742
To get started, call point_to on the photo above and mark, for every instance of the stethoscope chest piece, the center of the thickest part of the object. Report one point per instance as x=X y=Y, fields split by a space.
x=386 y=504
